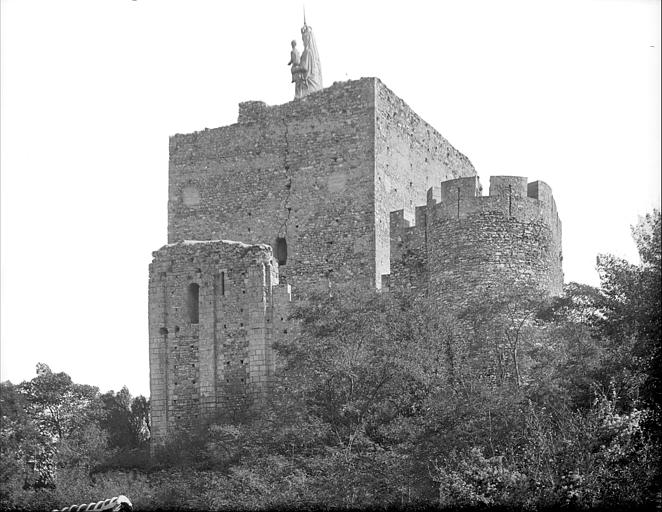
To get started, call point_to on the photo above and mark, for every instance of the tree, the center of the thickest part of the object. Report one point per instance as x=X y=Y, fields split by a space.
x=58 y=406
x=140 y=412
x=126 y=419
x=22 y=447
x=630 y=306
x=66 y=415
x=501 y=322
x=357 y=364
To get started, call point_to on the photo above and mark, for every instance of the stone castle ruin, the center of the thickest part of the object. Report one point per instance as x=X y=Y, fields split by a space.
x=345 y=184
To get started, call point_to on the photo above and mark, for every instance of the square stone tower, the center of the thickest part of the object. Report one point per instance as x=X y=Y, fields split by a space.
x=315 y=178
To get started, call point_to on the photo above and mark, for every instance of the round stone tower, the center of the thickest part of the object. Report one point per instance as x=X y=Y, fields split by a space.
x=475 y=242
x=461 y=244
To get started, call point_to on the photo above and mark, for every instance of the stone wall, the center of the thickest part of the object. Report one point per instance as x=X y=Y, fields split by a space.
x=215 y=309
x=302 y=171
x=410 y=157
x=322 y=172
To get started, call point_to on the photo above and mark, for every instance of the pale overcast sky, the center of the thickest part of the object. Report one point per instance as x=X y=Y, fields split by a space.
x=563 y=91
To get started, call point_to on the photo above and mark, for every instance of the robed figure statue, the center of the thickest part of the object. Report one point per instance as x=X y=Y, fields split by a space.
x=307 y=75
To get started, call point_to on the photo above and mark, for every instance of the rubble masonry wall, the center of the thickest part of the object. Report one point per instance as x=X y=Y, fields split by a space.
x=220 y=360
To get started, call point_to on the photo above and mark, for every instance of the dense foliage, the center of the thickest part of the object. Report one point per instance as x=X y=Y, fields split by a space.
x=517 y=401
x=53 y=430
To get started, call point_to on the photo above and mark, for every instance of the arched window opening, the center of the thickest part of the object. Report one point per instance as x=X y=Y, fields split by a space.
x=192 y=303
x=281 y=251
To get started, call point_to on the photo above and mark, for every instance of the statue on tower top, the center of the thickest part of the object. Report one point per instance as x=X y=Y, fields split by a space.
x=307 y=73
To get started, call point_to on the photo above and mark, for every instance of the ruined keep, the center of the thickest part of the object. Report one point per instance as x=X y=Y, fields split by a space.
x=215 y=308
x=346 y=184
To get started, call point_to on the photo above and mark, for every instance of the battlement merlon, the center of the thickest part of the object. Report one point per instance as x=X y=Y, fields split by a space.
x=407 y=231
x=452 y=190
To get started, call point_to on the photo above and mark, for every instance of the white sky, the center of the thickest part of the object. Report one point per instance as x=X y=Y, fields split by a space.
x=563 y=91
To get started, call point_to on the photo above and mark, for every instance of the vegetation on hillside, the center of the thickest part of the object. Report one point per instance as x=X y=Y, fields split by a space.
x=518 y=401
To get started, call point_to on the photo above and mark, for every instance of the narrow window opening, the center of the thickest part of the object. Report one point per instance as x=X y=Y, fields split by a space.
x=193 y=303
x=281 y=251
x=458 y=202
x=222 y=283
x=510 y=200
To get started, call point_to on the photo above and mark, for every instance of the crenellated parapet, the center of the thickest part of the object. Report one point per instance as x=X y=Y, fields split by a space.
x=462 y=241
x=512 y=196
